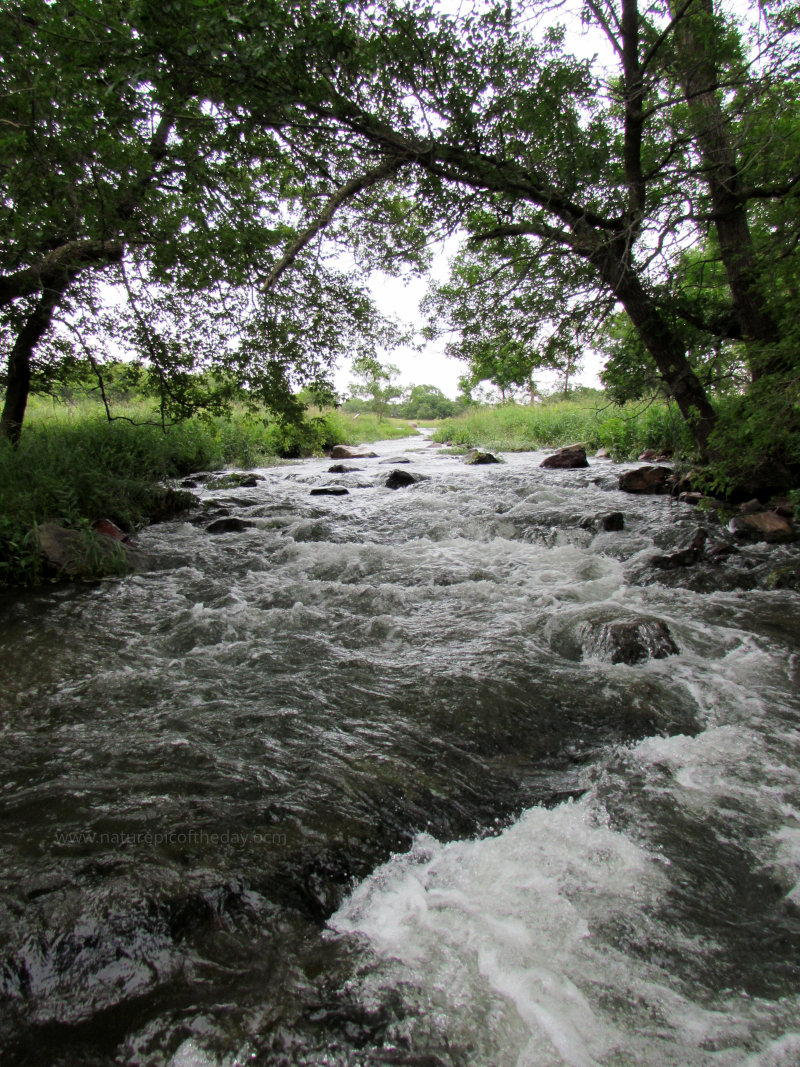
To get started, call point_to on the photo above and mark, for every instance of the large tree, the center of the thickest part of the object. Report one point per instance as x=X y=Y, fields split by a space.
x=127 y=157
x=615 y=166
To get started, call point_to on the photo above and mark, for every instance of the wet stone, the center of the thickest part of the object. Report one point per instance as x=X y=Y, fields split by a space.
x=475 y=458
x=763 y=526
x=401 y=479
x=343 y=468
x=329 y=490
x=229 y=525
x=645 y=480
x=629 y=641
x=570 y=457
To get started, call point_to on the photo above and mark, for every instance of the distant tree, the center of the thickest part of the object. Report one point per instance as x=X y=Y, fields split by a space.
x=375 y=384
x=427 y=402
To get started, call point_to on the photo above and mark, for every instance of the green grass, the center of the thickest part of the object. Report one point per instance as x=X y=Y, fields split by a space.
x=74 y=467
x=625 y=432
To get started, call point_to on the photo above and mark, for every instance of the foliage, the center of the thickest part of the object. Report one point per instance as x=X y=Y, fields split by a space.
x=625 y=432
x=75 y=467
x=375 y=383
x=426 y=402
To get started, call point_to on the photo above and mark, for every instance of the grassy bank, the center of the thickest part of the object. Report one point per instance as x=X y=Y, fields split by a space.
x=625 y=432
x=74 y=467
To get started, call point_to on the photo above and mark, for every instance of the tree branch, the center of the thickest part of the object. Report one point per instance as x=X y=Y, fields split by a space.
x=342 y=195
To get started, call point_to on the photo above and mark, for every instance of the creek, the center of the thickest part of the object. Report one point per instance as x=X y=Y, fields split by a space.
x=350 y=787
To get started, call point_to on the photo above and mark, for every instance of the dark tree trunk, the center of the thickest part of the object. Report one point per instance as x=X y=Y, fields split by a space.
x=694 y=37
x=663 y=345
x=19 y=362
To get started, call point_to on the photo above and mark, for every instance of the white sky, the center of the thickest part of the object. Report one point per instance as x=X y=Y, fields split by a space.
x=431 y=366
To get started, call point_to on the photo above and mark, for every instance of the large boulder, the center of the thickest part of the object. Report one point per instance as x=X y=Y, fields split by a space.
x=645 y=480
x=763 y=526
x=476 y=458
x=345 y=452
x=96 y=553
x=568 y=458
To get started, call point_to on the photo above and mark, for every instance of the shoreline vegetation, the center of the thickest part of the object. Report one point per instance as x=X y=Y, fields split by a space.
x=75 y=468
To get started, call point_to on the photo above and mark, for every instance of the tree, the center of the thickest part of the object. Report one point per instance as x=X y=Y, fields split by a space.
x=127 y=156
x=611 y=171
x=427 y=402
x=376 y=384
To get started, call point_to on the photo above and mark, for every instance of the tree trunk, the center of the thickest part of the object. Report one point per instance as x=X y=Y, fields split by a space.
x=663 y=345
x=19 y=362
x=694 y=38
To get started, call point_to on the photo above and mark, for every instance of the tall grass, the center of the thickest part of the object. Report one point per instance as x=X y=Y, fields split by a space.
x=625 y=432
x=75 y=467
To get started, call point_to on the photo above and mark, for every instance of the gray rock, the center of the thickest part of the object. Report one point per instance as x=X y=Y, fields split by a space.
x=87 y=553
x=343 y=468
x=330 y=490
x=396 y=459
x=684 y=557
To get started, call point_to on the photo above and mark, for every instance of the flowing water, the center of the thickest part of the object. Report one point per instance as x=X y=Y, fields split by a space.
x=363 y=784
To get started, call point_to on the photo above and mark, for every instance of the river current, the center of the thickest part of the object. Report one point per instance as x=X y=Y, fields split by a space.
x=352 y=786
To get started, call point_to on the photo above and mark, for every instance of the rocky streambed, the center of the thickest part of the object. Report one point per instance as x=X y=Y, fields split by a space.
x=452 y=773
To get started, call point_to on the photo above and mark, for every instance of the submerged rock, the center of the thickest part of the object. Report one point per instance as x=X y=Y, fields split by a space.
x=343 y=468
x=330 y=490
x=229 y=525
x=568 y=458
x=396 y=459
x=476 y=458
x=645 y=480
x=629 y=641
